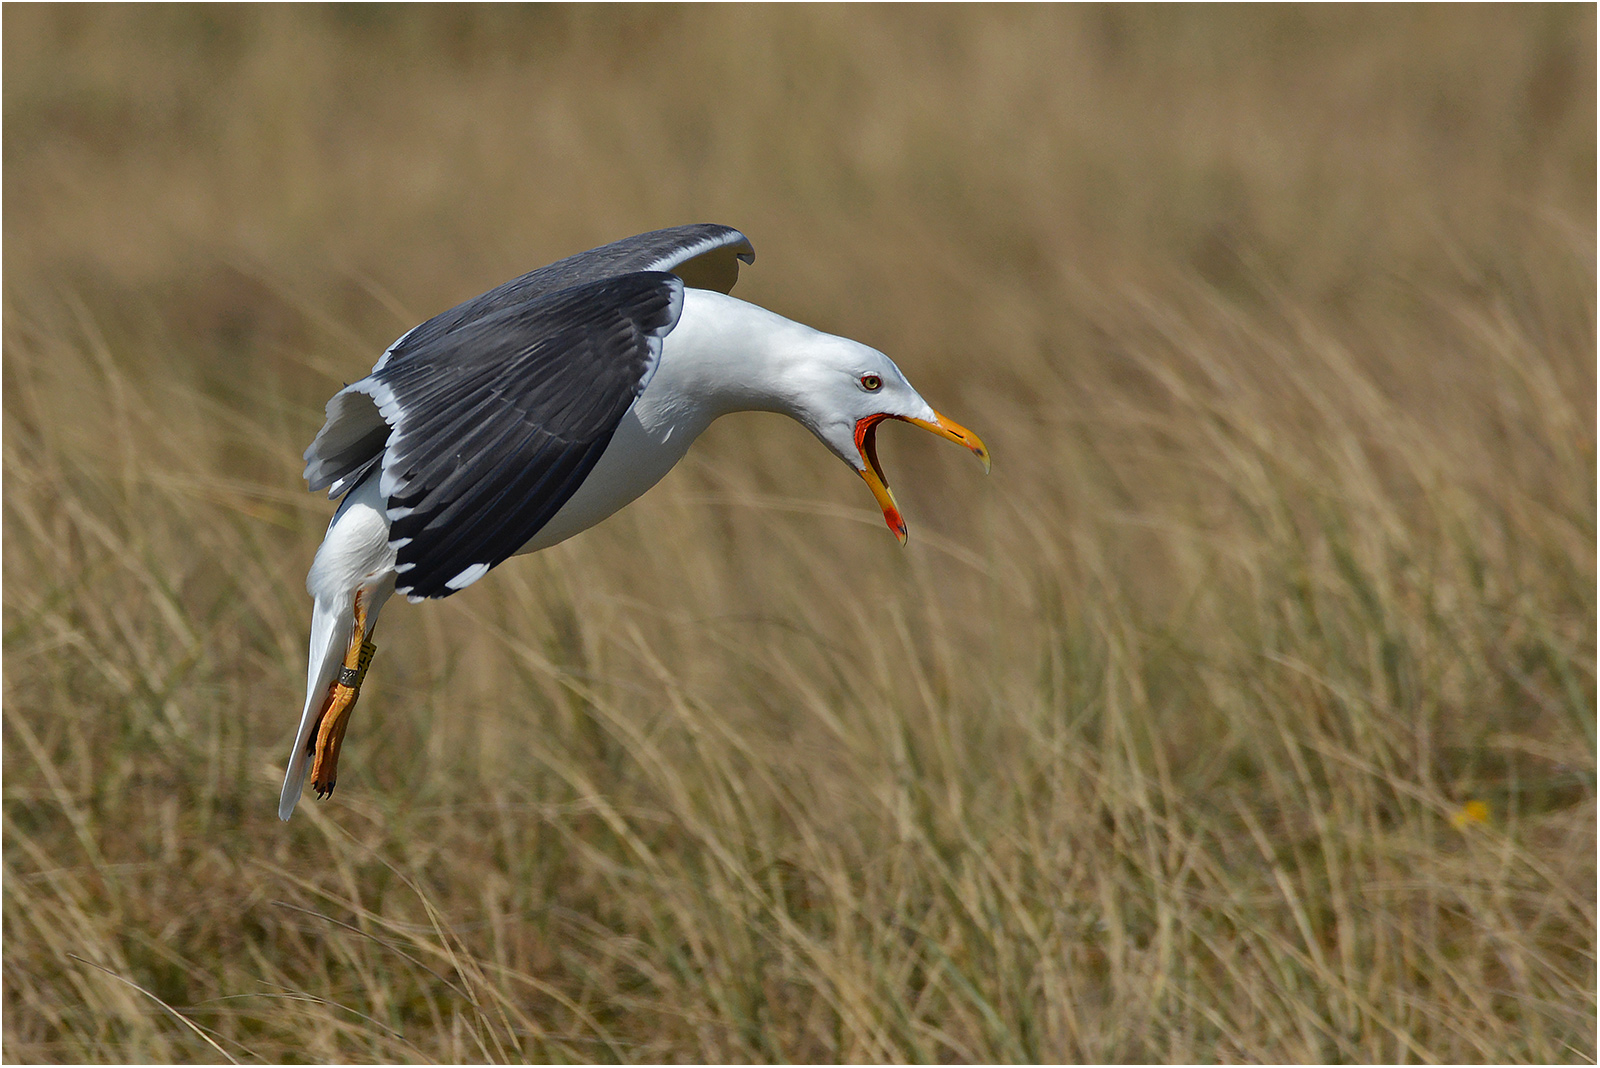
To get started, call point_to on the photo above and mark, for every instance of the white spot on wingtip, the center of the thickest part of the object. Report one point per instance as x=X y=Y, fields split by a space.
x=468 y=576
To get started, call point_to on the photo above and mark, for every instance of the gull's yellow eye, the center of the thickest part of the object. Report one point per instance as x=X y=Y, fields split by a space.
x=871 y=383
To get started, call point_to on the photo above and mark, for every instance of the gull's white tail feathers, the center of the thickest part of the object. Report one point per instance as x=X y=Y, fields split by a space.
x=331 y=620
x=355 y=555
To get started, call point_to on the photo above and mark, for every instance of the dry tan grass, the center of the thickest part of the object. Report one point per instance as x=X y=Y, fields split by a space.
x=1163 y=743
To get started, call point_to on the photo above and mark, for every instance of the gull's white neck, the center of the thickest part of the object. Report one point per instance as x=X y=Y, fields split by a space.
x=726 y=356
x=723 y=356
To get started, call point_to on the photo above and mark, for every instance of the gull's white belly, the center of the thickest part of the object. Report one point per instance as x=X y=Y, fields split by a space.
x=645 y=447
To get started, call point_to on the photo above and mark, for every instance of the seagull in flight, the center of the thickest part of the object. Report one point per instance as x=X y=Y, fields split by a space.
x=532 y=412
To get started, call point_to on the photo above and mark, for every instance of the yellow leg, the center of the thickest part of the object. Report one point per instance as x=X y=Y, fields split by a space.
x=341 y=699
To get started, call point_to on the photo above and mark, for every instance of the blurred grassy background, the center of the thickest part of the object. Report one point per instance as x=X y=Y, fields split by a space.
x=1246 y=713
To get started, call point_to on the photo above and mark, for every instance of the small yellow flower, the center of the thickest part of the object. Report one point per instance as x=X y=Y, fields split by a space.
x=1473 y=811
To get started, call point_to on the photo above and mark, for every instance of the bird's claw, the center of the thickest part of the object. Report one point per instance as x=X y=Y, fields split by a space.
x=328 y=736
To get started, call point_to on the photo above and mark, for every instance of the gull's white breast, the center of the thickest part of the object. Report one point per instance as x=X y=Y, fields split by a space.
x=641 y=452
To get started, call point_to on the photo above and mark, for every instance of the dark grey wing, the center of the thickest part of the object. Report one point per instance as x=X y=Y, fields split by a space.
x=704 y=255
x=489 y=429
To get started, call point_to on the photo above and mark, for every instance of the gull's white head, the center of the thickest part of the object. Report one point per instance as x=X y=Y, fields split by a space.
x=727 y=356
x=841 y=390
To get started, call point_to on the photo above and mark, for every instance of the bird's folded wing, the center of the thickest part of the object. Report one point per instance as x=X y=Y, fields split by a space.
x=493 y=426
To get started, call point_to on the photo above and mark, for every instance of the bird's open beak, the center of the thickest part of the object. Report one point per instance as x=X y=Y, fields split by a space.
x=872 y=471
